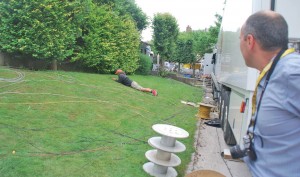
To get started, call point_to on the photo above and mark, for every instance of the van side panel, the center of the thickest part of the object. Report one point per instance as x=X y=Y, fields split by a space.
x=291 y=15
x=233 y=68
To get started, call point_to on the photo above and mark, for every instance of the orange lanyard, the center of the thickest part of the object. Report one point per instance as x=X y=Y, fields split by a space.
x=262 y=74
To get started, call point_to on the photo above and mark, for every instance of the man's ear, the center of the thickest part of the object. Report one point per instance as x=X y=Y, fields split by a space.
x=250 y=41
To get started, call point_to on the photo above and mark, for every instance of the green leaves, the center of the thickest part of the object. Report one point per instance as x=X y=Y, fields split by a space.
x=196 y=43
x=109 y=42
x=39 y=28
x=165 y=29
x=129 y=7
x=145 y=65
x=97 y=35
x=185 y=50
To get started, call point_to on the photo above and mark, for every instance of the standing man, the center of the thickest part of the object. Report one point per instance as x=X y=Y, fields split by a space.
x=123 y=79
x=275 y=126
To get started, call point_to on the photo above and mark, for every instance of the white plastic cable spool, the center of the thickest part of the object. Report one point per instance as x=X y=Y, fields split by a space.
x=162 y=160
x=156 y=143
x=159 y=171
x=170 y=131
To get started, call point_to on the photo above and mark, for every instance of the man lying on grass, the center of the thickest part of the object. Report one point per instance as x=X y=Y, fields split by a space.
x=123 y=79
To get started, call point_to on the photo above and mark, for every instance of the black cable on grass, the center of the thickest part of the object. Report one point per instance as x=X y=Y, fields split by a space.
x=179 y=112
x=42 y=152
x=36 y=129
x=46 y=153
x=90 y=140
x=172 y=116
x=65 y=153
x=50 y=128
x=124 y=135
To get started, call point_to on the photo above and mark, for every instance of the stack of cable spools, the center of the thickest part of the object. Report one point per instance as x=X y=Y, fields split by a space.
x=162 y=158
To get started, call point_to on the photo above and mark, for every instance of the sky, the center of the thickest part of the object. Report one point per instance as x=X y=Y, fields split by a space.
x=199 y=14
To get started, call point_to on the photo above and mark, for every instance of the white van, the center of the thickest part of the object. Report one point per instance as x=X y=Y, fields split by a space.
x=234 y=81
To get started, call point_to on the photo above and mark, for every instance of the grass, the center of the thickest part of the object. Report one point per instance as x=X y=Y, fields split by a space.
x=79 y=124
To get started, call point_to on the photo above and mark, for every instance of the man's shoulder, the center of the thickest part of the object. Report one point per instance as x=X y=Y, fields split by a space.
x=294 y=55
x=290 y=63
x=287 y=66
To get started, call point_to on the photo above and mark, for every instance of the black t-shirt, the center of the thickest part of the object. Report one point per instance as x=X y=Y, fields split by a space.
x=123 y=79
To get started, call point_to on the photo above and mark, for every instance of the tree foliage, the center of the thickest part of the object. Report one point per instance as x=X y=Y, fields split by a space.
x=125 y=7
x=184 y=51
x=203 y=43
x=214 y=31
x=97 y=35
x=42 y=29
x=108 y=41
x=203 y=40
x=128 y=7
x=165 y=33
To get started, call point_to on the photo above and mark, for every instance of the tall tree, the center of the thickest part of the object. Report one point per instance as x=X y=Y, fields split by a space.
x=128 y=7
x=196 y=43
x=214 y=30
x=184 y=51
x=202 y=42
x=165 y=33
x=205 y=40
x=107 y=41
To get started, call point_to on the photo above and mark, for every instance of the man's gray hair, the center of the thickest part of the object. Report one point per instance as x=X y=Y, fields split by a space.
x=269 y=28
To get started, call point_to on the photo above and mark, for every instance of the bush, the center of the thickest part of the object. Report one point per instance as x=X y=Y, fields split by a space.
x=145 y=65
x=42 y=29
x=162 y=72
x=77 y=31
x=108 y=41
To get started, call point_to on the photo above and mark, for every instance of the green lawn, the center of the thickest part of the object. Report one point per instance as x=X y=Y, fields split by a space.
x=79 y=124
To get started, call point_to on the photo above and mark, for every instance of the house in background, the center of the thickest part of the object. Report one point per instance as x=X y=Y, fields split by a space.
x=146 y=49
x=188 y=29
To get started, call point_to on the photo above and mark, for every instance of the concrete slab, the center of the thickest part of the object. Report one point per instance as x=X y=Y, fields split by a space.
x=209 y=143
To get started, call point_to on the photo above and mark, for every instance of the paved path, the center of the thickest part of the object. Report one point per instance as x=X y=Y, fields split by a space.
x=209 y=143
